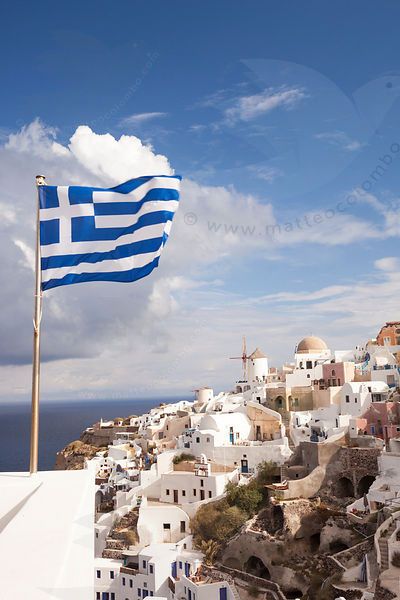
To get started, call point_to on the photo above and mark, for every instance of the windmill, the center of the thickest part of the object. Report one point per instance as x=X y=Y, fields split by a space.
x=243 y=358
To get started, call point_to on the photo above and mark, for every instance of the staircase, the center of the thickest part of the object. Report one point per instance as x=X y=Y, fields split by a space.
x=286 y=422
x=383 y=546
x=234 y=591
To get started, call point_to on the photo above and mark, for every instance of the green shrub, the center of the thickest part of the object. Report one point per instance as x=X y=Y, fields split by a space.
x=245 y=497
x=216 y=521
x=266 y=471
x=210 y=550
x=185 y=456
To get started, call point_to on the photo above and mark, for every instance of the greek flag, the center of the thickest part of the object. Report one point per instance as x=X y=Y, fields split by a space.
x=97 y=234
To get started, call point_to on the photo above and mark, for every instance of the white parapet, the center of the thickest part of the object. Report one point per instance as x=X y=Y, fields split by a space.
x=46 y=535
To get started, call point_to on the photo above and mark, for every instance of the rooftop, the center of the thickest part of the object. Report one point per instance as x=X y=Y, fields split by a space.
x=49 y=517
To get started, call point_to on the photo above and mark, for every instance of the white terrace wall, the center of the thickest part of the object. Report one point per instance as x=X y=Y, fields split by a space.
x=151 y=523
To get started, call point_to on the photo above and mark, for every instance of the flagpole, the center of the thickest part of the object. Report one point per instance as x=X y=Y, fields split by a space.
x=37 y=317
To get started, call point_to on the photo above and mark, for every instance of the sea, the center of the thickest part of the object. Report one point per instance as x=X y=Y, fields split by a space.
x=60 y=423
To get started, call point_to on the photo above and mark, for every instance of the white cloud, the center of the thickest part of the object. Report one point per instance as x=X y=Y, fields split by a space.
x=340 y=139
x=247 y=108
x=266 y=173
x=140 y=118
x=389 y=263
x=119 y=159
x=28 y=254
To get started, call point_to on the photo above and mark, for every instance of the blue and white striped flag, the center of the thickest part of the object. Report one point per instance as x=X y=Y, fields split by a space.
x=97 y=234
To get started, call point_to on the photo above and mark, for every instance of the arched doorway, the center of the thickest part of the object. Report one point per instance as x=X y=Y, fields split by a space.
x=293 y=593
x=337 y=546
x=279 y=403
x=255 y=566
x=315 y=541
x=344 y=488
x=364 y=484
x=277 y=518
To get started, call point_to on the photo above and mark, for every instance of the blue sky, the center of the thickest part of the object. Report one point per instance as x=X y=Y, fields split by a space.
x=282 y=118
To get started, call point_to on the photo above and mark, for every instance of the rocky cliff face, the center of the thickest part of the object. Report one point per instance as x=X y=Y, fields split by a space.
x=73 y=456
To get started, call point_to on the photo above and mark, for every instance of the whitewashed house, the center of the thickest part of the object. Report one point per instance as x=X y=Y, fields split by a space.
x=356 y=396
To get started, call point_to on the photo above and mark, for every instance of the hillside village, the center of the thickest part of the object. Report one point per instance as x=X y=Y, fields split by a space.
x=286 y=486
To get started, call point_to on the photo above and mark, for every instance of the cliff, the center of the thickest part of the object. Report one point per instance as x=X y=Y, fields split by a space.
x=73 y=456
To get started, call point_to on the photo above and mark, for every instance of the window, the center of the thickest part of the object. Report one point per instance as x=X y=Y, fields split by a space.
x=347 y=398
x=355 y=400
x=131 y=583
x=166 y=525
x=151 y=593
x=123 y=581
x=309 y=364
x=197 y=440
x=183 y=492
x=151 y=569
x=194 y=492
x=202 y=482
x=209 y=494
x=139 y=593
x=167 y=492
x=183 y=527
x=180 y=564
x=111 y=574
x=369 y=389
x=98 y=574
x=208 y=439
x=112 y=596
x=144 y=564
x=97 y=595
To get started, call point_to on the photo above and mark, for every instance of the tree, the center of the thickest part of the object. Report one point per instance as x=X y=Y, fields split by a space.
x=266 y=471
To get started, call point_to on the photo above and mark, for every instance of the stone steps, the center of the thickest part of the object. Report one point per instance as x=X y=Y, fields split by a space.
x=383 y=546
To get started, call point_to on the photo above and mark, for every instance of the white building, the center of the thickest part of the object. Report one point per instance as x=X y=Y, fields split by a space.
x=356 y=396
x=257 y=367
x=205 y=482
x=310 y=354
x=384 y=367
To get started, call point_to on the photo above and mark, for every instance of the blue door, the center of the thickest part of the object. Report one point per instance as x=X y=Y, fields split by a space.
x=222 y=593
x=231 y=435
x=173 y=570
x=190 y=594
x=105 y=596
x=187 y=569
x=245 y=466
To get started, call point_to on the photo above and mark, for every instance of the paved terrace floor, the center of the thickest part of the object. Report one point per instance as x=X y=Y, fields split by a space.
x=46 y=535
